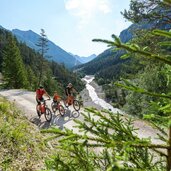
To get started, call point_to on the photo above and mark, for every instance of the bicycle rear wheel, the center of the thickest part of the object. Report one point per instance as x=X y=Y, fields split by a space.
x=48 y=114
x=76 y=105
x=61 y=110
x=38 y=112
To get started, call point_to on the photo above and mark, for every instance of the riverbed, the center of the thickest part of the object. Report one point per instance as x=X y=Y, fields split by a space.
x=92 y=96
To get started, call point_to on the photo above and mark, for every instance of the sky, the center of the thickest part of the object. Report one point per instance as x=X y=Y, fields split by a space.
x=70 y=24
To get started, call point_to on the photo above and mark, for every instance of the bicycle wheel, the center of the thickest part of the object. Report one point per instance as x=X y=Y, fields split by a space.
x=65 y=103
x=48 y=114
x=38 y=112
x=54 y=107
x=61 y=110
x=76 y=105
x=52 y=104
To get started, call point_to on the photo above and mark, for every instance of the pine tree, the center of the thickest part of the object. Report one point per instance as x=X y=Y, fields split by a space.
x=43 y=48
x=14 y=71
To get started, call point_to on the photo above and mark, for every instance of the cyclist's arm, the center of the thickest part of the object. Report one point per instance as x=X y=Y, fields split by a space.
x=37 y=97
x=67 y=92
x=75 y=91
x=46 y=94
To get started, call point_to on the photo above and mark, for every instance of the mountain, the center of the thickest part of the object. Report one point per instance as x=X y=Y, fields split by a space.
x=88 y=59
x=56 y=53
x=108 y=63
x=83 y=59
x=107 y=60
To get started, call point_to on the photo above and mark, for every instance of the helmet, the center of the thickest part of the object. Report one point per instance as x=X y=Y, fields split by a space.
x=41 y=86
x=70 y=84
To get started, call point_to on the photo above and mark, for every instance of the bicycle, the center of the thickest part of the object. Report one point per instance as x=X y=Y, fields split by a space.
x=76 y=104
x=58 y=106
x=43 y=109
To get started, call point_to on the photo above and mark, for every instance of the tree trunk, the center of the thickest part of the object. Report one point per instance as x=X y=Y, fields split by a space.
x=169 y=152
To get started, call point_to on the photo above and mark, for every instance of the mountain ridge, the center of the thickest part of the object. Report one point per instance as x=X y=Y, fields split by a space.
x=56 y=53
x=84 y=59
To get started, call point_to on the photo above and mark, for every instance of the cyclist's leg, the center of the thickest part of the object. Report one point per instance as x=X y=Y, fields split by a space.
x=68 y=100
x=38 y=108
x=71 y=99
x=38 y=104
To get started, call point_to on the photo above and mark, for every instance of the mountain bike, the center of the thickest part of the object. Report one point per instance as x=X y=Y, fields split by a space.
x=58 y=106
x=76 y=103
x=43 y=109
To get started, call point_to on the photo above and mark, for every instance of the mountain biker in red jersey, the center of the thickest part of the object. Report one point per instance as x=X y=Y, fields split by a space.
x=40 y=92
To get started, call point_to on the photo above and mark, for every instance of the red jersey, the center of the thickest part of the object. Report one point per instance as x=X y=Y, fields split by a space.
x=40 y=93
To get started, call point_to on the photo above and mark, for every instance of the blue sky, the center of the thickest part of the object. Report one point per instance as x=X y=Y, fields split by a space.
x=70 y=24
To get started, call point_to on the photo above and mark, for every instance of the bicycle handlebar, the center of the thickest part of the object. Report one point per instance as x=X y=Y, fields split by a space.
x=45 y=100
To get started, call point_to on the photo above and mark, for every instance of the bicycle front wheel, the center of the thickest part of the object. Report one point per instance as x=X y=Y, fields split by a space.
x=76 y=105
x=61 y=110
x=54 y=107
x=66 y=104
x=48 y=114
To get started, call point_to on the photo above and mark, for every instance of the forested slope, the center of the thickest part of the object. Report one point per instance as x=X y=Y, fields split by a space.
x=21 y=67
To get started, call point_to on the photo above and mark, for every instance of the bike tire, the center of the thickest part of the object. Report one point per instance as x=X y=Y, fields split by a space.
x=54 y=107
x=48 y=114
x=61 y=110
x=52 y=104
x=76 y=105
x=66 y=104
x=38 y=112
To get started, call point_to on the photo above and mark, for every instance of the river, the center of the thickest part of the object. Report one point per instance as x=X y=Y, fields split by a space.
x=97 y=100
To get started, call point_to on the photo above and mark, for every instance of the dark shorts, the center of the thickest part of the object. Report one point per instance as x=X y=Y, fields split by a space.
x=39 y=100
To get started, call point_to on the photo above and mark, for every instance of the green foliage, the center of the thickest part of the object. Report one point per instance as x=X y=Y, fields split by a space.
x=106 y=141
x=22 y=146
x=154 y=81
x=148 y=11
x=13 y=67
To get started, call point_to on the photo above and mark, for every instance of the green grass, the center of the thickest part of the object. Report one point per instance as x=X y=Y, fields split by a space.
x=22 y=146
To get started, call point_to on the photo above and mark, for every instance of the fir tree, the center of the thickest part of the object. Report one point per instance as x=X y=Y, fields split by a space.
x=43 y=48
x=14 y=71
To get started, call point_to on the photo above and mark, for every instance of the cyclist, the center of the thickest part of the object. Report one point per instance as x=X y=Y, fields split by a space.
x=40 y=92
x=69 y=93
x=56 y=97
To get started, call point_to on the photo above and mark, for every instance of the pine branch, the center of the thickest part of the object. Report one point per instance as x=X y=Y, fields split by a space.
x=162 y=33
x=133 y=49
x=142 y=91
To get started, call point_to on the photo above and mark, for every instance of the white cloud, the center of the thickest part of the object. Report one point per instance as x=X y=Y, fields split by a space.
x=72 y=4
x=86 y=9
x=104 y=6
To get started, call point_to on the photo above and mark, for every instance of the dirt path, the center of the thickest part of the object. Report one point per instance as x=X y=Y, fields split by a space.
x=25 y=100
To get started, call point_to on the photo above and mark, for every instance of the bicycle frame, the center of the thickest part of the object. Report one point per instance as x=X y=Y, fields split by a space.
x=43 y=109
x=42 y=106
